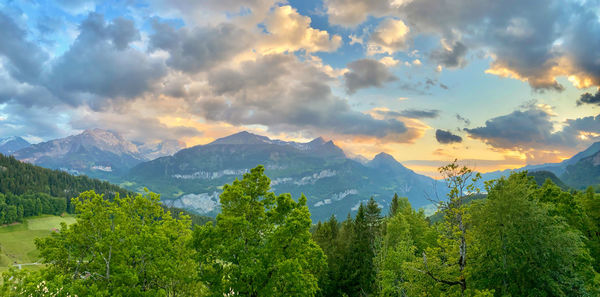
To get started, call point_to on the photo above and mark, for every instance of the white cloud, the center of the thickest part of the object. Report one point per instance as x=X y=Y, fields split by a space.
x=389 y=37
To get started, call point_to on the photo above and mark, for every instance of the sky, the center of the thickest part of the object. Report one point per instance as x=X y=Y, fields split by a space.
x=498 y=84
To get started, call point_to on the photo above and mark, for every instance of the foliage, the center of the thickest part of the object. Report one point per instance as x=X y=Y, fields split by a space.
x=524 y=247
x=260 y=245
x=127 y=247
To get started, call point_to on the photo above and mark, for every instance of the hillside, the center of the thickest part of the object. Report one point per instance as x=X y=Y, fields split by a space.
x=584 y=173
x=19 y=178
x=577 y=172
x=334 y=184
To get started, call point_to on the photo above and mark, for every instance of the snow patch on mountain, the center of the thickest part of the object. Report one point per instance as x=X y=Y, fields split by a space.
x=201 y=203
x=321 y=203
x=342 y=195
x=310 y=179
x=210 y=174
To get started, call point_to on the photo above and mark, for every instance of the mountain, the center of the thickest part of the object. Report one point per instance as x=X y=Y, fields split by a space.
x=9 y=145
x=540 y=178
x=583 y=173
x=95 y=152
x=334 y=184
x=570 y=171
x=151 y=151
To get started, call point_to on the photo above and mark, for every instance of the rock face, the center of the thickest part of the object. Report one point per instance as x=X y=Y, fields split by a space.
x=96 y=152
x=9 y=145
x=333 y=183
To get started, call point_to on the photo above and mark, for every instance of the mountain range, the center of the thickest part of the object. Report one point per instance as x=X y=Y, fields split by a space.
x=334 y=184
x=9 y=145
x=579 y=171
x=192 y=178
x=95 y=152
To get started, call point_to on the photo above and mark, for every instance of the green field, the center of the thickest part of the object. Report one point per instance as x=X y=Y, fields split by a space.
x=17 y=241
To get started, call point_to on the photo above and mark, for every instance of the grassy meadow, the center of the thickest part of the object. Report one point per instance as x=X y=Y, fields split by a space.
x=17 y=241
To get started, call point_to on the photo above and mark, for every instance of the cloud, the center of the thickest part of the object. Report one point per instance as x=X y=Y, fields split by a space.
x=389 y=61
x=450 y=55
x=534 y=129
x=534 y=41
x=589 y=124
x=410 y=113
x=366 y=73
x=131 y=123
x=464 y=120
x=353 y=12
x=530 y=128
x=389 y=37
x=203 y=12
x=446 y=137
x=200 y=48
x=100 y=64
x=288 y=31
x=31 y=121
x=588 y=98
x=24 y=59
x=285 y=94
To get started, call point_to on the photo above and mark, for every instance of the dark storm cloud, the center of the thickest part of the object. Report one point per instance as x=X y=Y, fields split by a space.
x=25 y=59
x=100 y=64
x=411 y=113
x=588 y=98
x=446 y=137
x=366 y=73
x=285 y=94
x=198 y=49
x=451 y=58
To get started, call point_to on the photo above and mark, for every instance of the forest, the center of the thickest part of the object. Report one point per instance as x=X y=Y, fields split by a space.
x=27 y=190
x=515 y=238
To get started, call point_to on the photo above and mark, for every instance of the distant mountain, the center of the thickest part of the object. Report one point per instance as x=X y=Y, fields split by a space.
x=569 y=171
x=151 y=151
x=334 y=184
x=9 y=145
x=96 y=152
x=540 y=178
x=583 y=173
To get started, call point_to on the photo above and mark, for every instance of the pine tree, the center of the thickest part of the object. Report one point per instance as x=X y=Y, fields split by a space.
x=393 y=206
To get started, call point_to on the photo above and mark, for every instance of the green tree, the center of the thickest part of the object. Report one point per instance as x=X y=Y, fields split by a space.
x=129 y=247
x=591 y=206
x=446 y=263
x=521 y=248
x=393 y=205
x=261 y=243
x=407 y=235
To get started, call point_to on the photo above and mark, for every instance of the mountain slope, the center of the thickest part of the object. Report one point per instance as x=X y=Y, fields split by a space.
x=9 y=145
x=569 y=171
x=333 y=183
x=584 y=173
x=97 y=153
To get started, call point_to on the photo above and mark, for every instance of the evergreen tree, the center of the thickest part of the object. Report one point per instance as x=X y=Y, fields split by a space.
x=393 y=206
